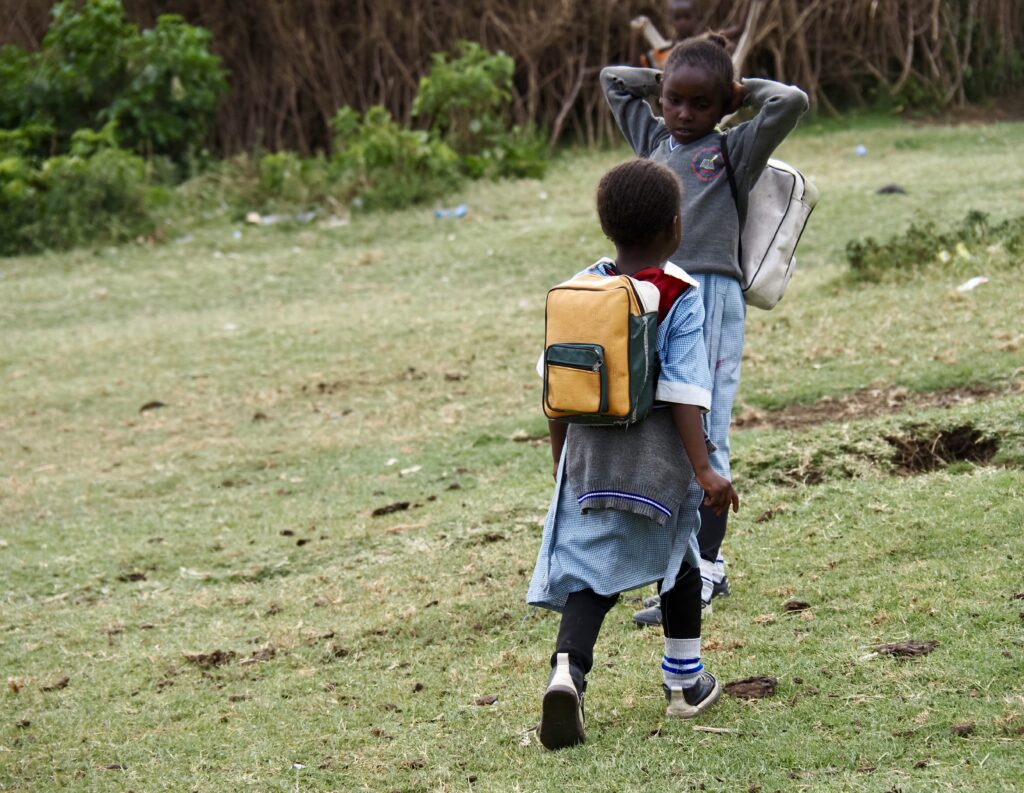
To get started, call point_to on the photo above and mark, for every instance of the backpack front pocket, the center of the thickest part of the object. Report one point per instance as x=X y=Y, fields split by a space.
x=575 y=378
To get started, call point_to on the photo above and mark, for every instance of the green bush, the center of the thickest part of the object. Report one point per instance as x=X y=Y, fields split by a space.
x=464 y=98
x=926 y=246
x=384 y=165
x=161 y=85
x=96 y=192
x=172 y=95
x=466 y=101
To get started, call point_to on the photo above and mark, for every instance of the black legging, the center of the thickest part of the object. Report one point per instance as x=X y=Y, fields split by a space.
x=712 y=533
x=585 y=611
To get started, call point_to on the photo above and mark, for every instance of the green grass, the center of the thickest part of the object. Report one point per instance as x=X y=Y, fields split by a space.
x=303 y=371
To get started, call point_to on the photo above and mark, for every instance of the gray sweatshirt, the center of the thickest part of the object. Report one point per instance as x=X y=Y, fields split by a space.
x=711 y=226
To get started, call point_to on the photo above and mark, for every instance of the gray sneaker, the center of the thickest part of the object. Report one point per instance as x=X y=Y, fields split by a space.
x=685 y=703
x=651 y=616
x=561 y=721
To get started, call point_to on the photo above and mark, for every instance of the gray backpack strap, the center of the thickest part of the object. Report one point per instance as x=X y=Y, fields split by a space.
x=741 y=208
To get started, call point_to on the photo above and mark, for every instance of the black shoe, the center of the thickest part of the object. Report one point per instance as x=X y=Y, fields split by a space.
x=561 y=721
x=685 y=703
x=721 y=589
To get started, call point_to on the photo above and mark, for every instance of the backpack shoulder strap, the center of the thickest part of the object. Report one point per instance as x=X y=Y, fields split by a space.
x=740 y=209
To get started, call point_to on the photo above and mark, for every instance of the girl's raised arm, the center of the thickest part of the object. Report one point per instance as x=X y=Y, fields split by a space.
x=779 y=109
x=626 y=88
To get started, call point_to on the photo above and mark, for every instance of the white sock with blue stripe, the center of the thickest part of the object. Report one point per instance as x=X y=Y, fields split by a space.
x=681 y=663
x=719 y=575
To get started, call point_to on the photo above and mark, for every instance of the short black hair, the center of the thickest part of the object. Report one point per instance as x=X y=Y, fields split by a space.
x=637 y=201
x=708 y=52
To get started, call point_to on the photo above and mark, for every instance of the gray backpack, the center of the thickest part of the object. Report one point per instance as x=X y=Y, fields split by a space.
x=778 y=206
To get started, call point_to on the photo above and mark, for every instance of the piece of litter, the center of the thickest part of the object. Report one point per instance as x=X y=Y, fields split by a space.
x=715 y=730
x=236 y=235
x=542 y=195
x=412 y=469
x=298 y=766
x=971 y=283
x=455 y=212
x=335 y=222
x=860 y=150
x=391 y=461
x=451 y=238
x=230 y=326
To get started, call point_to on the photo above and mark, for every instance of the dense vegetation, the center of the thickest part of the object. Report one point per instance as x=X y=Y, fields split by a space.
x=98 y=124
x=360 y=53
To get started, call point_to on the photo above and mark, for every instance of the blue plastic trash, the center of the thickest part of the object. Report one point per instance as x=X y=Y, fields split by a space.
x=457 y=212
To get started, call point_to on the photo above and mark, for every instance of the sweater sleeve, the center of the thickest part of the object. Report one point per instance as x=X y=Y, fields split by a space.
x=626 y=88
x=779 y=108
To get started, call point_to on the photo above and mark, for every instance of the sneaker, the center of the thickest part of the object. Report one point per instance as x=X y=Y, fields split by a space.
x=654 y=600
x=648 y=617
x=651 y=616
x=685 y=703
x=561 y=721
x=721 y=589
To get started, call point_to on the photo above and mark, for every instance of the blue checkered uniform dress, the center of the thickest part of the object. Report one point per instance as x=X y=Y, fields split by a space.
x=725 y=312
x=609 y=550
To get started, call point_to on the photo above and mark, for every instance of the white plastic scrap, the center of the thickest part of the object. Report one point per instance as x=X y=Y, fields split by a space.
x=971 y=283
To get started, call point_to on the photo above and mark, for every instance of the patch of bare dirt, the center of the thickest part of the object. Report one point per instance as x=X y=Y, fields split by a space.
x=868 y=403
x=935 y=449
x=909 y=648
x=752 y=687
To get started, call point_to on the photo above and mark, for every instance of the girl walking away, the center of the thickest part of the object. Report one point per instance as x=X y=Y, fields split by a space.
x=697 y=89
x=624 y=510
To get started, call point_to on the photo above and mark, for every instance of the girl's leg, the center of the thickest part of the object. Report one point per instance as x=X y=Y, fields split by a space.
x=725 y=316
x=577 y=634
x=688 y=688
x=561 y=721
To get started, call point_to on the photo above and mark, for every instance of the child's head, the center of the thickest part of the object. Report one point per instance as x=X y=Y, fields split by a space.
x=638 y=205
x=682 y=15
x=697 y=87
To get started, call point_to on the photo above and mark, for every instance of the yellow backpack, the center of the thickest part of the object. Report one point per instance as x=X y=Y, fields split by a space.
x=600 y=362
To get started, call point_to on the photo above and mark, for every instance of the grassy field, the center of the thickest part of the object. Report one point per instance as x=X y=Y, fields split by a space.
x=198 y=596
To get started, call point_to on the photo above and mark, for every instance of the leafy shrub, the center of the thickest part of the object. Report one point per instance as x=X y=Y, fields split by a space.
x=384 y=165
x=161 y=85
x=286 y=179
x=466 y=101
x=923 y=246
x=172 y=95
x=464 y=98
x=97 y=191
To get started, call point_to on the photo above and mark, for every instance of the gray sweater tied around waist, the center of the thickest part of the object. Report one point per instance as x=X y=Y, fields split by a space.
x=642 y=468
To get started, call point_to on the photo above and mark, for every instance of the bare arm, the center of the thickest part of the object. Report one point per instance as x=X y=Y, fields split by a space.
x=719 y=492
x=556 y=431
